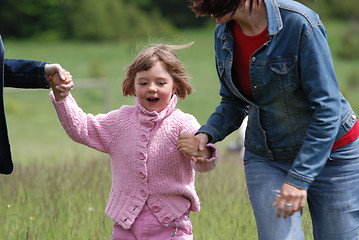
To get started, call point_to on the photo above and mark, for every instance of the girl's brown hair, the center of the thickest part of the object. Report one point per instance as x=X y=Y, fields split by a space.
x=217 y=8
x=147 y=58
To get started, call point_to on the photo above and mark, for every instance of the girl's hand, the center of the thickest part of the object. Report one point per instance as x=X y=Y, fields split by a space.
x=190 y=146
x=61 y=88
x=55 y=70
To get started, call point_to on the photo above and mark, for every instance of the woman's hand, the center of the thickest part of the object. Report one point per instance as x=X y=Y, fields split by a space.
x=203 y=140
x=289 y=200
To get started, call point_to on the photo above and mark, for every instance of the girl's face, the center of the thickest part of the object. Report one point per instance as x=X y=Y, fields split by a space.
x=154 y=88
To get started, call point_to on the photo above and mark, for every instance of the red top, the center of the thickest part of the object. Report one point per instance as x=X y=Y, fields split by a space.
x=244 y=47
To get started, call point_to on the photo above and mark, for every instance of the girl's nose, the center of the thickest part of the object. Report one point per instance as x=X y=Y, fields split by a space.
x=152 y=87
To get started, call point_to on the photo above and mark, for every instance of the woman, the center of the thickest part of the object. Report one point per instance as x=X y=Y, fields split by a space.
x=301 y=144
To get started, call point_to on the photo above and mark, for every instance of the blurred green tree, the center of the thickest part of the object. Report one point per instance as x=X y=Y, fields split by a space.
x=26 y=18
x=349 y=48
x=80 y=19
x=120 y=19
x=177 y=12
x=111 y=19
x=344 y=9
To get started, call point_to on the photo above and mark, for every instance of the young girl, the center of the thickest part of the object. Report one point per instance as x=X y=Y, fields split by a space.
x=150 y=145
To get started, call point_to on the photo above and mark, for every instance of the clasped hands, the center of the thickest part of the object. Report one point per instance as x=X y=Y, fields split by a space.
x=194 y=146
x=59 y=79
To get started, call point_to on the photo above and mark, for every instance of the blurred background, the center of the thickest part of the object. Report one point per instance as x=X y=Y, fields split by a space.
x=92 y=20
x=96 y=40
x=59 y=188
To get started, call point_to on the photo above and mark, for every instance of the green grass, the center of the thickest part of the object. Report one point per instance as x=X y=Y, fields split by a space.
x=67 y=201
x=56 y=201
x=59 y=188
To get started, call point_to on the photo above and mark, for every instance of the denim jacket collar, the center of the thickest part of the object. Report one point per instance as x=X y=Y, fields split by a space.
x=275 y=22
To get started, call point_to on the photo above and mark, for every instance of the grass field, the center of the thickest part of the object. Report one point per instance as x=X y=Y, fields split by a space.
x=66 y=201
x=59 y=188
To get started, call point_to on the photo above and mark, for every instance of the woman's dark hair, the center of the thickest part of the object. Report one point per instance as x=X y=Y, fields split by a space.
x=217 y=8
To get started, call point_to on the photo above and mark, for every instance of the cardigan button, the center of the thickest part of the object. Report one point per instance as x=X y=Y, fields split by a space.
x=143 y=138
x=253 y=59
x=143 y=193
x=148 y=124
x=142 y=175
x=156 y=209
x=166 y=220
x=142 y=156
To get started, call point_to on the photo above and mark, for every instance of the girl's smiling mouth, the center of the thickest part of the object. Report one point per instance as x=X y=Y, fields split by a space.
x=153 y=99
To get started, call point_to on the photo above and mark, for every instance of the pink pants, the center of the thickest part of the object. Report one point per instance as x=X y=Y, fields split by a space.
x=146 y=227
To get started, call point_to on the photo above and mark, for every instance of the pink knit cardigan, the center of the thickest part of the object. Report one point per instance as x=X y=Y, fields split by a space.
x=146 y=166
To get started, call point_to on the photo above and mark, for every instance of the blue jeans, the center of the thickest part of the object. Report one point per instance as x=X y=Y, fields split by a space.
x=333 y=197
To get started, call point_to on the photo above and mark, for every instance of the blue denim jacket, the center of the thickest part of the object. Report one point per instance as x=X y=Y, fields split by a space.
x=298 y=111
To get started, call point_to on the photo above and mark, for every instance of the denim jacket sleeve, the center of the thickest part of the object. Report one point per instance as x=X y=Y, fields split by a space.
x=20 y=73
x=321 y=88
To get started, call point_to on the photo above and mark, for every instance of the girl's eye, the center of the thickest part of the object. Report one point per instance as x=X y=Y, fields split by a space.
x=162 y=83
x=143 y=83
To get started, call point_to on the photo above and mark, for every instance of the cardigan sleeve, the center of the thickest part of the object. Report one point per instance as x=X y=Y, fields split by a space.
x=208 y=164
x=93 y=131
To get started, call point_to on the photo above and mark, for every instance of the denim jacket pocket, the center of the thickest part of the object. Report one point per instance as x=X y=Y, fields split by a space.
x=282 y=66
x=284 y=77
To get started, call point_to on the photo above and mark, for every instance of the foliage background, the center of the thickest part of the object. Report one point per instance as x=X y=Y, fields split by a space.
x=116 y=19
x=126 y=20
